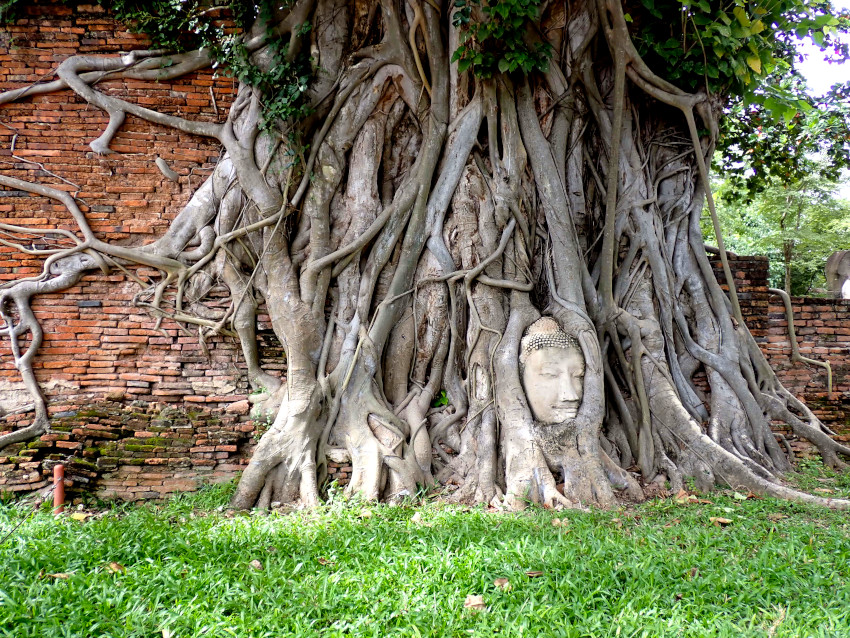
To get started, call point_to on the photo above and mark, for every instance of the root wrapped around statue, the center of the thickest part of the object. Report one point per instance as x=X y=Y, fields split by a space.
x=494 y=282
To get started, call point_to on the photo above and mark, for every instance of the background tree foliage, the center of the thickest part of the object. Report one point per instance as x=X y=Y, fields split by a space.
x=796 y=224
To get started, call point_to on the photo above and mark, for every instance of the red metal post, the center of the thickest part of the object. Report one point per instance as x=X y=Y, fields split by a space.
x=59 y=488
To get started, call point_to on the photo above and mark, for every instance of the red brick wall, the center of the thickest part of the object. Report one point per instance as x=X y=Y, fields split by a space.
x=99 y=349
x=96 y=342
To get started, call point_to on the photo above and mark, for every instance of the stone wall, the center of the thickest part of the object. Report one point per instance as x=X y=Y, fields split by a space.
x=139 y=410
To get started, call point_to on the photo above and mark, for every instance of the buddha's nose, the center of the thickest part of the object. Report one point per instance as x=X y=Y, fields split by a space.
x=570 y=389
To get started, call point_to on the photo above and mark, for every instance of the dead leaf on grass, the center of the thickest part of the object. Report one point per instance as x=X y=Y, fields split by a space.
x=719 y=521
x=59 y=576
x=502 y=583
x=324 y=561
x=775 y=625
x=366 y=514
x=255 y=564
x=80 y=516
x=823 y=490
x=534 y=573
x=776 y=516
x=475 y=602
x=557 y=522
x=675 y=521
x=417 y=520
x=116 y=568
x=683 y=498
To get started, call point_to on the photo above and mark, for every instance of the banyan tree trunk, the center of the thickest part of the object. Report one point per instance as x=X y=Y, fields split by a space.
x=407 y=262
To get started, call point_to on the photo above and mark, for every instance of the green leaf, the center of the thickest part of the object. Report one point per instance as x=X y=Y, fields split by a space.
x=503 y=65
x=741 y=14
x=754 y=62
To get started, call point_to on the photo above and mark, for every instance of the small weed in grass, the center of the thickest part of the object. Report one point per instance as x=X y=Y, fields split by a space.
x=190 y=567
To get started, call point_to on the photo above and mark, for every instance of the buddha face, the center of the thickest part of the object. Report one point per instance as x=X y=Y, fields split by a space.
x=554 y=383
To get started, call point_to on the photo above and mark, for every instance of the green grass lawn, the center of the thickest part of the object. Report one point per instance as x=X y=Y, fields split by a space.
x=184 y=568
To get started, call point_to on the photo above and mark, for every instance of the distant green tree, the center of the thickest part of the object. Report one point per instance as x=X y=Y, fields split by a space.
x=796 y=224
x=781 y=153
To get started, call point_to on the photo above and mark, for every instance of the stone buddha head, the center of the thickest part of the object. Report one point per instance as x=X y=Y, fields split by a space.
x=552 y=370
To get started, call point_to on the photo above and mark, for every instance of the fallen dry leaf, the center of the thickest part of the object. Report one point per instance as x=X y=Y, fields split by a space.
x=557 y=522
x=116 y=568
x=738 y=496
x=533 y=573
x=675 y=521
x=474 y=602
x=366 y=514
x=776 y=516
x=693 y=573
x=719 y=521
x=255 y=564
x=823 y=490
x=79 y=516
x=683 y=498
x=502 y=583
x=772 y=629
x=417 y=519
x=60 y=576
x=324 y=561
